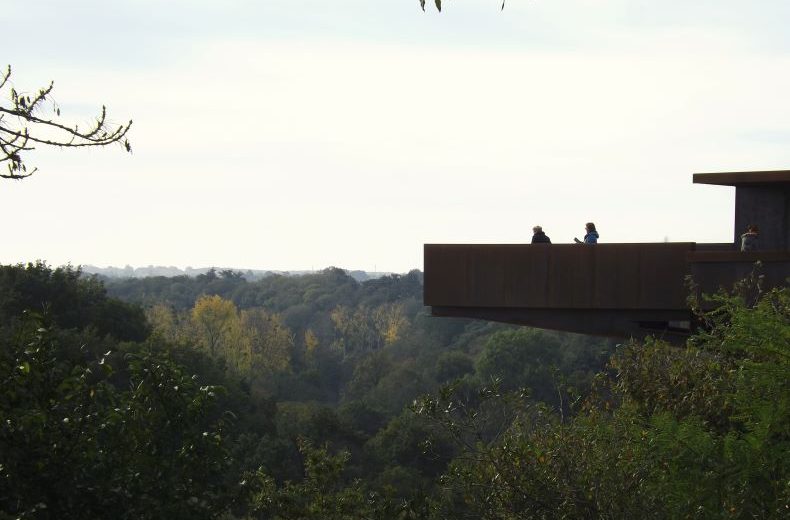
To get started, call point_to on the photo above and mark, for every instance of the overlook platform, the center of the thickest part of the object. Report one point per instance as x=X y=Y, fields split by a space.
x=616 y=290
x=619 y=290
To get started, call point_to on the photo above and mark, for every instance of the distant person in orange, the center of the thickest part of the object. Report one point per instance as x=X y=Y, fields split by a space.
x=749 y=239
x=591 y=237
x=539 y=237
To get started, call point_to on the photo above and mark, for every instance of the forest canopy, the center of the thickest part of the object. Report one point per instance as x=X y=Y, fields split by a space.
x=318 y=396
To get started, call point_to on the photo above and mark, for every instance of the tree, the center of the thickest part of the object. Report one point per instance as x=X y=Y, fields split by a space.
x=270 y=341
x=68 y=299
x=32 y=120
x=79 y=439
x=163 y=321
x=215 y=318
x=365 y=329
x=522 y=358
x=311 y=343
x=355 y=328
x=695 y=432
x=321 y=495
x=389 y=321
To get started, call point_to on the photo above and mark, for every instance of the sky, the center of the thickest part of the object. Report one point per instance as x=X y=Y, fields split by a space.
x=272 y=134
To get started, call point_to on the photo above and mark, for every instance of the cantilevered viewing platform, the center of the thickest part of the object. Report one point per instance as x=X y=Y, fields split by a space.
x=618 y=290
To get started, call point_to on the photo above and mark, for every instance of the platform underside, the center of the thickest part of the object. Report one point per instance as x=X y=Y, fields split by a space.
x=671 y=325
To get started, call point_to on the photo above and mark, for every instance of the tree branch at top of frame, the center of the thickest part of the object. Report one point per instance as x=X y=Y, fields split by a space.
x=439 y=5
x=29 y=120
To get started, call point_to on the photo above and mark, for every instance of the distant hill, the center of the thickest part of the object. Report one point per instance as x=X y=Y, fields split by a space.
x=171 y=271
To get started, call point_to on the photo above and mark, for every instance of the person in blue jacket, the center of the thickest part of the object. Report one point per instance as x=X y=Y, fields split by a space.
x=592 y=235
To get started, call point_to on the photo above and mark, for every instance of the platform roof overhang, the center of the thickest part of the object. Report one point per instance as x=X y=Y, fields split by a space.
x=755 y=178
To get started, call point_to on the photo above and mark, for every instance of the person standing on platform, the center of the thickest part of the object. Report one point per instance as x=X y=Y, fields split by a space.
x=539 y=237
x=749 y=239
x=591 y=237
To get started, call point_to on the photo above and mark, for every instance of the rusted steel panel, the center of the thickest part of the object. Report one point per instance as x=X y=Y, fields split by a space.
x=662 y=277
x=719 y=247
x=449 y=281
x=568 y=276
x=713 y=270
x=610 y=289
x=613 y=323
x=738 y=256
x=571 y=279
x=767 y=207
x=621 y=268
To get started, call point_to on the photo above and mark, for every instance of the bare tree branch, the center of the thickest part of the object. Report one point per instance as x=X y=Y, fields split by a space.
x=22 y=127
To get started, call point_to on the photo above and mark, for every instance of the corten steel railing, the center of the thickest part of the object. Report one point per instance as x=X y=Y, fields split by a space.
x=609 y=289
x=557 y=276
x=714 y=270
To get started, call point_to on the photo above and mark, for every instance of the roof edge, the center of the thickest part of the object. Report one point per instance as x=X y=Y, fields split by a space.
x=743 y=178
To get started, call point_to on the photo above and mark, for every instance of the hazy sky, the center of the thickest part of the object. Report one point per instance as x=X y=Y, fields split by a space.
x=295 y=135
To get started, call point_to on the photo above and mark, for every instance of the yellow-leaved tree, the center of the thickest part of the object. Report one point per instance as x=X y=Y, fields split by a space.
x=170 y=325
x=216 y=322
x=364 y=329
x=311 y=343
x=354 y=329
x=390 y=321
x=267 y=339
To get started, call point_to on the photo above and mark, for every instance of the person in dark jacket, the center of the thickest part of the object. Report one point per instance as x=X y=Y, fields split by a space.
x=539 y=237
x=592 y=235
x=749 y=239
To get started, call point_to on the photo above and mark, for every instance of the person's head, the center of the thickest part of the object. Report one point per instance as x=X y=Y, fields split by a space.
x=537 y=229
x=590 y=227
x=752 y=228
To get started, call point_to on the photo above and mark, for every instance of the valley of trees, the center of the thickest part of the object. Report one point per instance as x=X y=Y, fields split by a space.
x=320 y=397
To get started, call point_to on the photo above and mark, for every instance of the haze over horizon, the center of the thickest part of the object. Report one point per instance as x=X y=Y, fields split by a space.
x=271 y=136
